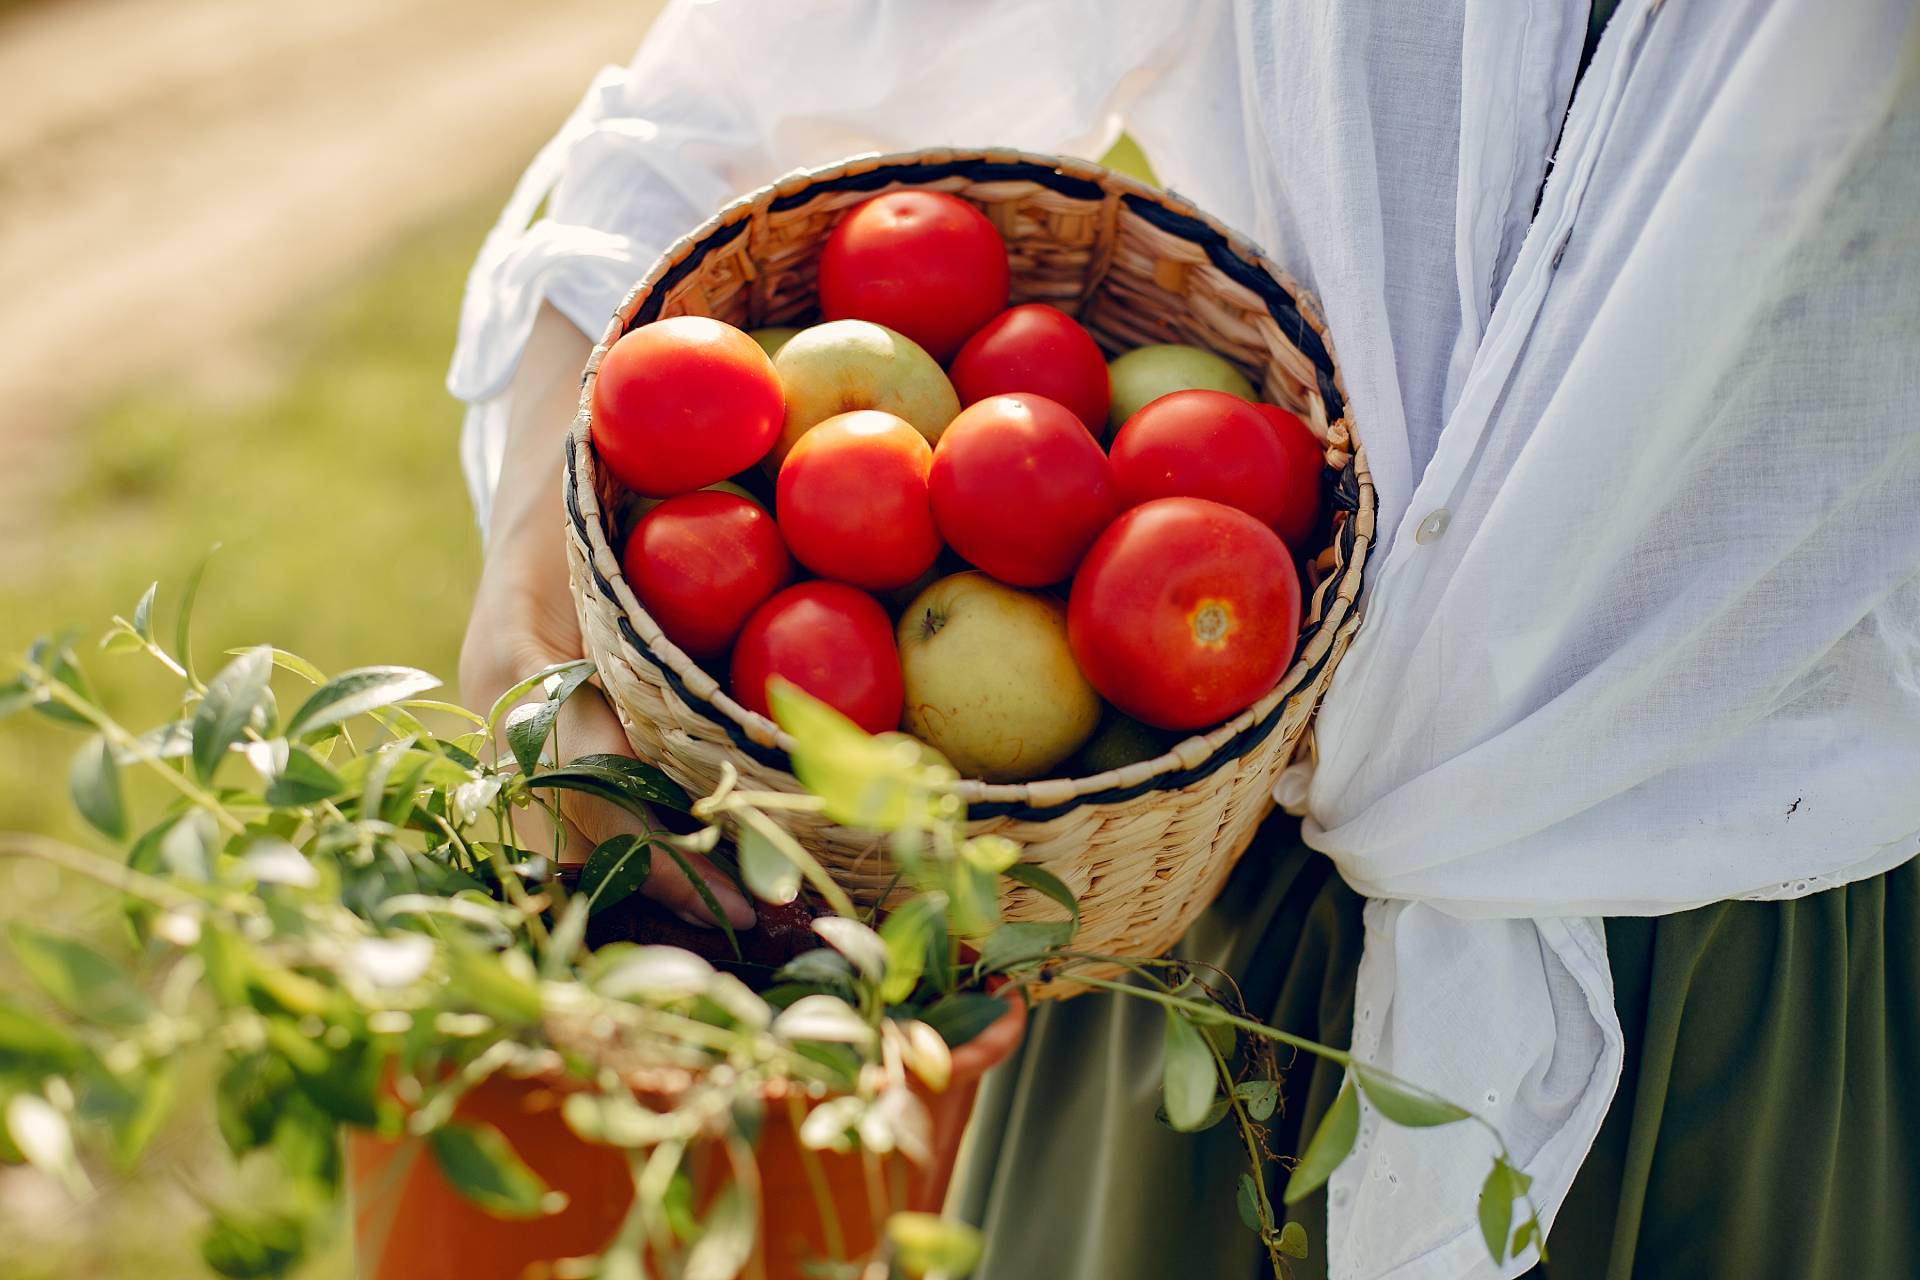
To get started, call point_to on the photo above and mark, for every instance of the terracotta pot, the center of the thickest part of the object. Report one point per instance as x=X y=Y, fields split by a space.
x=411 y=1224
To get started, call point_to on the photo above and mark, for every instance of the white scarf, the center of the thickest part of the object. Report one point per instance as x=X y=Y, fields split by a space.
x=1663 y=646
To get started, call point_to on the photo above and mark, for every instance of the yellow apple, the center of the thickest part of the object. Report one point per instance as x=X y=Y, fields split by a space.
x=1147 y=373
x=844 y=365
x=990 y=681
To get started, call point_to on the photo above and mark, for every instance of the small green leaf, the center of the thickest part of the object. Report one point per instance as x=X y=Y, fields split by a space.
x=620 y=780
x=122 y=639
x=962 y=1016
x=94 y=781
x=1038 y=877
x=926 y=1244
x=568 y=935
x=253 y=1245
x=183 y=625
x=480 y=979
x=187 y=848
x=41 y=1133
x=356 y=692
x=1293 y=1240
x=857 y=943
x=769 y=873
x=80 y=979
x=1503 y=1185
x=1247 y=1201
x=304 y=779
x=484 y=1167
x=1012 y=945
x=992 y=854
x=28 y=1037
x=529 y=725
x=881 y=783
x=143 y=613
x=615 y=870
x=1526 y=1234
x=1404 y=1107
x=1188 y=1076
x=15 y=695
x=732 y=1225
x=559 y=670
x=58 y=661
x=822 y=1017
x=1330 y=1145
x=294 y=663
x=906 y=931
x=821 y=967
x=227 y=709
x=1260 y=1097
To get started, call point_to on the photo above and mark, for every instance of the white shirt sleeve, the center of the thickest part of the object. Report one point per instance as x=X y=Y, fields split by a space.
x=726 y=95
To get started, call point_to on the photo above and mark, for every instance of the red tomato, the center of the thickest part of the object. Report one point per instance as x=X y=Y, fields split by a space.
x=1041 y=349
x=922 y=263
x=1203 y=444
x=852 y=500
x=1185 y=612
x=1306 y=461
x=1020 y=489
x=701 y=563
x=830 y=640
x=683 y=402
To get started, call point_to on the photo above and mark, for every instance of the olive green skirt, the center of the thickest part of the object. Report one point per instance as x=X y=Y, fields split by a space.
x=1767 y=1122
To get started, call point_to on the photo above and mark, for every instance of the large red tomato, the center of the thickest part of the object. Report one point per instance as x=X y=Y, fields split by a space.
x=922 y=263
x=829 y=639
x=1020 y=489
x=1203 y=444
x=1306 y=461
x=852 y=500
x=1041 y=349
x=683 y=402
x=1185 y=612
x=701 y=563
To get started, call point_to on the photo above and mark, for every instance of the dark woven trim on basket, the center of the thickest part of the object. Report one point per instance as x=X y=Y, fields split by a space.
x=978 y=170
x=1234 y=748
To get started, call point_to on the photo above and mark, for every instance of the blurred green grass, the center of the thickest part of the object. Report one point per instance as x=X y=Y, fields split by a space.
x=321 y=455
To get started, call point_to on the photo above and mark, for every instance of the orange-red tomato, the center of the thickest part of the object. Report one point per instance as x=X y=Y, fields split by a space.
x=922 y=263
x=683 y=402
x=1020 y=489
x=1185 y=612
x=1306 y=461
x=831 y=640
x=852 y=500
x=1203 y=444
x=1037 y=348
x=701 y=563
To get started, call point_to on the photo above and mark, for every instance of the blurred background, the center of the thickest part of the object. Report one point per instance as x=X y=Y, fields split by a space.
x=233 y=236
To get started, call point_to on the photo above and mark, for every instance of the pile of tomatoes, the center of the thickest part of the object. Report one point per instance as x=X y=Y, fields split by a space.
x=1167 y=553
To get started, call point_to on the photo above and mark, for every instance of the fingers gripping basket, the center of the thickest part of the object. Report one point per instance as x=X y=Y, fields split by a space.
x=1145 y=847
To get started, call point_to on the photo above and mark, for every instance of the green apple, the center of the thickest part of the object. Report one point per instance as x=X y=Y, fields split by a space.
x=1120 y=741
x=1147 y=373
x=845 y=365
x=991 y=683
x=773 y=338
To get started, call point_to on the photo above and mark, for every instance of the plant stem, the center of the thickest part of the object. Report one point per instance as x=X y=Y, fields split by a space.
x=112 y=873
x=1213 y=1012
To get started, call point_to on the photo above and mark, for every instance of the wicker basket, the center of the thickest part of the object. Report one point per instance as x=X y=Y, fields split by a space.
x=1145 y=847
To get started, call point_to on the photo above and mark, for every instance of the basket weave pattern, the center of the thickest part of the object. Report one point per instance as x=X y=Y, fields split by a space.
x=1145 y=847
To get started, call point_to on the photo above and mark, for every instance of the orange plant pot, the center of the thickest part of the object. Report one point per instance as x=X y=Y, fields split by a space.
x=410 y=1223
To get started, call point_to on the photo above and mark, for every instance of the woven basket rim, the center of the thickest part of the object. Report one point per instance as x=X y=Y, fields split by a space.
x=1191 y=758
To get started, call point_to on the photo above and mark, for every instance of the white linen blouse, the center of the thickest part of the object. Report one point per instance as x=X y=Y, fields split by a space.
x=1646 y=632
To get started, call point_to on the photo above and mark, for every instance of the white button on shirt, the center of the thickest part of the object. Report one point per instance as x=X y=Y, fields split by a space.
x=1649 y=457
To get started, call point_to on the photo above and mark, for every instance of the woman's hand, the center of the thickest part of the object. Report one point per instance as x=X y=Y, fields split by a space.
x=523 y=616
